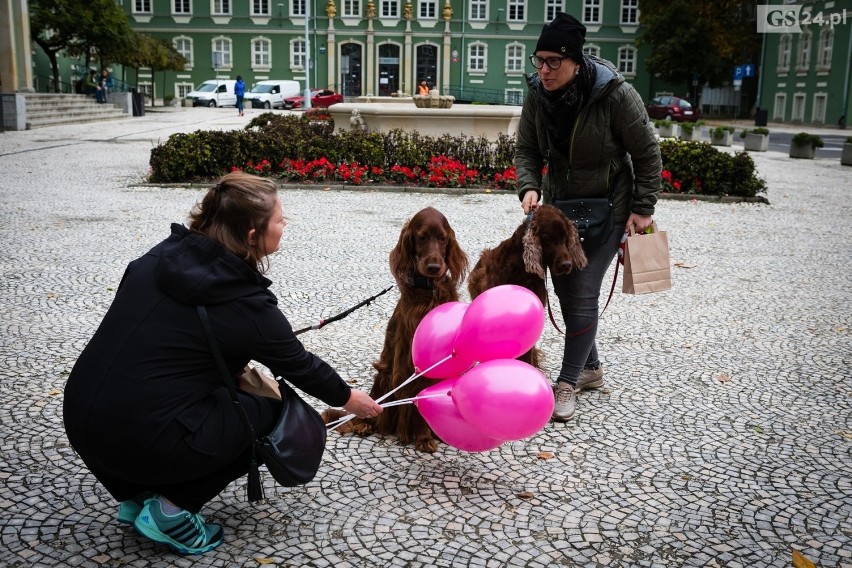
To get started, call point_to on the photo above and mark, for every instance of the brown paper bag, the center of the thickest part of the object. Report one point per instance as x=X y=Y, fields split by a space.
x=646 y=263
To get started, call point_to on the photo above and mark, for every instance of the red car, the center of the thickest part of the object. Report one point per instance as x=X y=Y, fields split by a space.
x=672 y=108
x=319 y=98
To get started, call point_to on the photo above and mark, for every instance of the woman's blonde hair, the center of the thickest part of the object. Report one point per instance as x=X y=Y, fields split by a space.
x=238 y=203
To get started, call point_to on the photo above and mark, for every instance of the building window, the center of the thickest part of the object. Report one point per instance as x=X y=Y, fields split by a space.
x=513 y=97
x=142 y=6
x=798 y=107
x=428 y=9
x=630 y=12
x=785 y=50
x=182 y=7
x=182 y=89
x=222 y=53
x=351 y=8
x=476 y=57
x=297 y=8
x=221 y=7
x=803 y=56
x=517 y=11
x=261 y=7
x=592 y=11
x=390 y=8
x=627 y=60
x=183 y=45
x=261 y=49
x=478 y=9
x=826 y=45
x=552 y=8
x=297 y=54
x=820 y=101
x=591 y=50
x=515 y=58
x=780 y=106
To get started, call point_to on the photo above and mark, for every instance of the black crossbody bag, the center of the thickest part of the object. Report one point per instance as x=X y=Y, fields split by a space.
x=593 y=217
x=293 y=450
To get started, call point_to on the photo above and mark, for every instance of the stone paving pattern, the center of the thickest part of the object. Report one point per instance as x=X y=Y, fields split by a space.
x=723 y=438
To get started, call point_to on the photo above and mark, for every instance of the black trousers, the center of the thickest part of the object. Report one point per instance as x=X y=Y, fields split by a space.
x=199 y=474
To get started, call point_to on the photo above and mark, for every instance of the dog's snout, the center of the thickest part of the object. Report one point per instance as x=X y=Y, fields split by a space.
x=433 y=268
x=563 y=267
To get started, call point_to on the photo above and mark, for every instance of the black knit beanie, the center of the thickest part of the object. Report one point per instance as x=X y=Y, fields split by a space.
x=565 y=35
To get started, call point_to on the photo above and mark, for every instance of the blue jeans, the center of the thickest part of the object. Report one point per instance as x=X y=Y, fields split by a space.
x=240 y=103
x=578 y=294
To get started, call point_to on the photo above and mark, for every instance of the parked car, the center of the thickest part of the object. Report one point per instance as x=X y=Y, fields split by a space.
x=319 y=98
x=213 y=93
x=672 y=108
x=271 y=93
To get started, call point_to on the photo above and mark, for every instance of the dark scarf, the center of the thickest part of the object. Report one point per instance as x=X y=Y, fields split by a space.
x=563 y=106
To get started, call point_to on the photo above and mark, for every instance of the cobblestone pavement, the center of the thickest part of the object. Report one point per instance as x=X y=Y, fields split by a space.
x=723 y=438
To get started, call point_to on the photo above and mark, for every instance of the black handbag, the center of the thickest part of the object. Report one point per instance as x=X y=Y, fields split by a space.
x=593 y=217
x=293 y=450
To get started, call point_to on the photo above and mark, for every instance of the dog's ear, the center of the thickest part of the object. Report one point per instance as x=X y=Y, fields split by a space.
x=575 y=249
x=457 y=261
x=402 y=255
x=532 y=250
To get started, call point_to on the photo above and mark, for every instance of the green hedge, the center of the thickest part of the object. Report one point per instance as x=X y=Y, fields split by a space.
x=699 y=168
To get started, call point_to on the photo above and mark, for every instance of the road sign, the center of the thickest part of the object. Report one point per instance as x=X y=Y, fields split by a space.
x=748 y=70
x=738 y=72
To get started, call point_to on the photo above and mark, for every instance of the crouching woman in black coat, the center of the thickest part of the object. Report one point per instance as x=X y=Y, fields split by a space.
x=145 y=406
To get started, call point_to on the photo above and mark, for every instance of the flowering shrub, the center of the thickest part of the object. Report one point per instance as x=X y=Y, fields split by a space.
x=262 y=168
x=508 y=179
x=448 y=172
x=699 y=168
x=302 y=170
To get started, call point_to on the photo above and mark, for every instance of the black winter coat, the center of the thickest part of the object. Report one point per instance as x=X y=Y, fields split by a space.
x=149 y=368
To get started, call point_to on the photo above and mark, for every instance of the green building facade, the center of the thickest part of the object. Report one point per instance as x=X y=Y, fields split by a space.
x=807 y=54
x=476 y=50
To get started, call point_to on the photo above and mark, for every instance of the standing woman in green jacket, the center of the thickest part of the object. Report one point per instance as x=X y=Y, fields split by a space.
x=589 y=128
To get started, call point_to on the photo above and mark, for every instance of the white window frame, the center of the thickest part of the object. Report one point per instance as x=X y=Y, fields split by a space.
x=426 y=6
x=819 y=109
x=189 y=42
x=513 y=97
x=627 y=57
x=515 y=58
x=481 y=4
x=351 y=9
x=803 y=53
x=592 y=10
x=798 y=112
x=268 y=12
x=178 y=5
x=390 y=9
x=147 y=89
x=227 y=52
x=780 y=108
x=631 y=8
x=186 y=87
x=256 y=43
x=142 y=6
x=516 y=11
x=221 y=7
x=826 y=47
x=298 y=54
x=785 y=51
x=592 y=49
x=551 y=8
x=480 y=58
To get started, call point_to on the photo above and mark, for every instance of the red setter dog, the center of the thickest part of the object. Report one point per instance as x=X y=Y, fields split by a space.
x=547 y=241
x=428 y=266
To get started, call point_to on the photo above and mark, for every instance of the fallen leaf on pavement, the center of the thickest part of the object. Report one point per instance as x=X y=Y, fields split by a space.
x=526 y=495
x=799 y=561
x=844 y=434
x=681 y=264
x=54 y=392
x=545 y=455
x=723 y=378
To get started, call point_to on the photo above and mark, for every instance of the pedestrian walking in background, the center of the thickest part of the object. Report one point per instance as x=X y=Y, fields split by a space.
x=240 y=91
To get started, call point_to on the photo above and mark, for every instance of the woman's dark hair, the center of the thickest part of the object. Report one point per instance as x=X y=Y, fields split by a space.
x=238 y=203
x=239 y=77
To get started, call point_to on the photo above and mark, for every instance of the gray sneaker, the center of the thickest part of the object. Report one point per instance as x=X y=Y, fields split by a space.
x=590 y=379
x=566 y=401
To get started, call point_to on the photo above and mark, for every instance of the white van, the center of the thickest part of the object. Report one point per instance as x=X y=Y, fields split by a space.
x=271 y=94
x=213 y=93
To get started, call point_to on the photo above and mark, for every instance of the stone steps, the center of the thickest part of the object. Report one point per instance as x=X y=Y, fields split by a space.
x=49 y=109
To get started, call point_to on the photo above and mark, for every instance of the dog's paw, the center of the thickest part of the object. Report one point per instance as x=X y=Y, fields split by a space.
x=331 y=414
x=428 y=445
x=362 y=427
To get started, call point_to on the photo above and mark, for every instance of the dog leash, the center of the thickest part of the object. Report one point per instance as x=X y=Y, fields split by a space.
x=343 y=314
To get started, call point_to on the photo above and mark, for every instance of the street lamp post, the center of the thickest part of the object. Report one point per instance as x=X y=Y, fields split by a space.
x=307 y=103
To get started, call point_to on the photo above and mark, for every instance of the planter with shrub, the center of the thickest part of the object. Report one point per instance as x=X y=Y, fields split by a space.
x=804 y=145
x=667 y=129
x=697 y=168
x=846 y=156
x=722 y=136
x=755 y=140
x=690 y=131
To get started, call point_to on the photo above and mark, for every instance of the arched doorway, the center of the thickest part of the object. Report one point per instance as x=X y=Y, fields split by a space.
x=427 y=65
x=350 y=69
x=388 y=69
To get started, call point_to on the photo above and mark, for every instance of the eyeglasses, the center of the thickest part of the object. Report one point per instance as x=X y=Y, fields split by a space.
x=553 y=63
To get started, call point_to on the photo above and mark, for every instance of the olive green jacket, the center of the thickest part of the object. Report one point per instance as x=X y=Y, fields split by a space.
x=613 y=148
